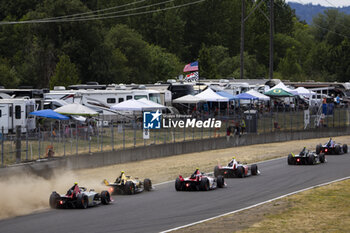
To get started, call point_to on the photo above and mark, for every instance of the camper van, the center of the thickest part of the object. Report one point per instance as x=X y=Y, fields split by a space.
x=15 y=112
x=236 y=88
x=102 y=100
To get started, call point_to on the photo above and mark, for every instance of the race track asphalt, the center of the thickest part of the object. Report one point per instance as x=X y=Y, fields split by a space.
x=164 y=208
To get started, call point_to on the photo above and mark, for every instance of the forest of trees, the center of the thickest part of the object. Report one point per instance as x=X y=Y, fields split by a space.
x=152 y=47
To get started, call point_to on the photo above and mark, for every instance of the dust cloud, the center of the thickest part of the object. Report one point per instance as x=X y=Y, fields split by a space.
x=27 y=193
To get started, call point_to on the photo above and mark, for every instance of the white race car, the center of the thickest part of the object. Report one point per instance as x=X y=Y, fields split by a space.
x=78 y=197
x=199 y=181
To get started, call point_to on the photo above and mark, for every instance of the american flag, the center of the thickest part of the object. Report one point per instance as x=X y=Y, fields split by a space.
x=192 y=77
x=191 y=67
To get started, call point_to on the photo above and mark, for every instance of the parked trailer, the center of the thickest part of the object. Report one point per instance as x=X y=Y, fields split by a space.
x=102 y=100
x=15 y=112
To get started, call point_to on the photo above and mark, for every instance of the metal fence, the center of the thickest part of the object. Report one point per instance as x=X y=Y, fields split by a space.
x=74 y=139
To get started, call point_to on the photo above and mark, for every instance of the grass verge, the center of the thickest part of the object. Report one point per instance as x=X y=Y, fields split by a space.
x=322 y=209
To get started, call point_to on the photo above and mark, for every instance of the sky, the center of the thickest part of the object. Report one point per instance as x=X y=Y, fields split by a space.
x=331 y=3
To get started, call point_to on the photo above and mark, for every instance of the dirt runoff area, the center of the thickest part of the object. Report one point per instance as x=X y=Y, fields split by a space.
x=158 y=170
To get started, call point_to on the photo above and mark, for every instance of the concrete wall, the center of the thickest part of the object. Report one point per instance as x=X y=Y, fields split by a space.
x=156 y=151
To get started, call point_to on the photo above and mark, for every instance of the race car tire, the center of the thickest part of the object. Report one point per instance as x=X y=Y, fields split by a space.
x=291 y=160
x=204 y=185
x=254 y=169
x=322 y=158
x=54 y=198
x=82 y=201
x=220 y=181
x=240 y=171
x=216 y=171
x=318 y=149
x=178 y=184
x=337 y=149
x=345 y=148
x=147 y=184
x=129 y=188
x=311 y=160
x=105 y=197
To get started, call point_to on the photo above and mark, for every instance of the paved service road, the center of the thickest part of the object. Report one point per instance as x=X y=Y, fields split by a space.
x=164 y=208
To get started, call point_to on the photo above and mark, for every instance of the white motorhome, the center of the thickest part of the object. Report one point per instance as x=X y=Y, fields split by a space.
x=236 y=88
x=15 y=112
x=102 y=100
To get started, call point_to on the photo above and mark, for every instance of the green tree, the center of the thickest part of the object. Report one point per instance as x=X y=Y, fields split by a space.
x=8 y=75
x=65 y=73
x=163 y=65
x=252 y=68
x=289 y=65
x=207 y=69
x=135 y=50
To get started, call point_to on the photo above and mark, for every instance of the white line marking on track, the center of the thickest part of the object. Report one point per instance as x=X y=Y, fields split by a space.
x=255 y=205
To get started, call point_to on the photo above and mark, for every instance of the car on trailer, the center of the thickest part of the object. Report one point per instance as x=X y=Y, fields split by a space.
x=199 y=181
x=306 y=157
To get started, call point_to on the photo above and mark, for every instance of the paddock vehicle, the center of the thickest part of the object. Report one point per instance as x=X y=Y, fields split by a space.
x=236 y=169
x=306 y=157
x=331 y=148
x=128 y=185
x=199 y=181
x=78 y=197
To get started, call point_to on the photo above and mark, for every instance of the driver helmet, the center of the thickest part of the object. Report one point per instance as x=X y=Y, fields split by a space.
x=76 y=183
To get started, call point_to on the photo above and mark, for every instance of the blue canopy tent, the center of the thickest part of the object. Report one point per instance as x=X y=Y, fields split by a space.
x=48 y=113
x=227 y=95
x=245 y=96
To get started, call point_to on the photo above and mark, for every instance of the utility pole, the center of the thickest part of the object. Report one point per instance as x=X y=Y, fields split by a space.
x=242 y=38
x=272 y=31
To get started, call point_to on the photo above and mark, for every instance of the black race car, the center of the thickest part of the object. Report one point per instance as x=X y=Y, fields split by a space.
x=306 y=157
x=127 y=185
x=331 y=148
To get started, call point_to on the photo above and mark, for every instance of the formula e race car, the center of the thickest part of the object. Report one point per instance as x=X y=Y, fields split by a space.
x=78 y=197
x=236 y=169
x=331 y=148
x=199 y=181
x=128 y=185
x=306 y=157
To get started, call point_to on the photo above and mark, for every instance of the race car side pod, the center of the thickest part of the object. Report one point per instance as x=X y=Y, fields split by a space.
x=181 y=178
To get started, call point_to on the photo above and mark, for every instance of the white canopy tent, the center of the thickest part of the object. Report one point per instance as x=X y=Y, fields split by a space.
x=210 y=96
x=258 y=95
x=284 y=87
x=136 y=105
x=188 y=99
x=76 y=109
x=304 y=91
x=151 y=104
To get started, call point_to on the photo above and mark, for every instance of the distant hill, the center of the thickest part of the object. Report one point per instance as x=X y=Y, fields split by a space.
x=308 y=11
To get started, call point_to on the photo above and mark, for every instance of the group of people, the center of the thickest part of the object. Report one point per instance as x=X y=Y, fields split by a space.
x=238 y=128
